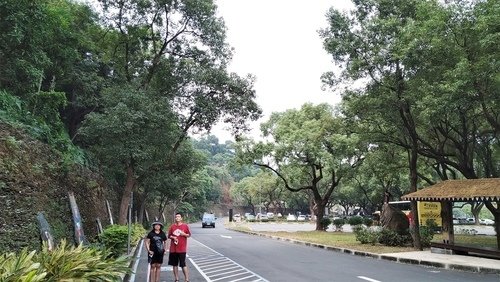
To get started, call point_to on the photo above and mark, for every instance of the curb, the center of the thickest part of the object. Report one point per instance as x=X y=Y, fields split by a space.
x=134 y=255
x=451 y=266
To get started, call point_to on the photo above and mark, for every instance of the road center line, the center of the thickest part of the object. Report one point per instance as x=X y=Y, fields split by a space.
x=225 y=236
x=368 y=279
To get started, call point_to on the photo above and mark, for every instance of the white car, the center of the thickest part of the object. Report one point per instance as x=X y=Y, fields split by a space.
x=262 y=217
x=270 y=215
x=291 y=217
x=487 y=221
x=301 y=218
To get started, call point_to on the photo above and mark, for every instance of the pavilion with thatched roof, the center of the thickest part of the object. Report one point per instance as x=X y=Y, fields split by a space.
x=485 y=190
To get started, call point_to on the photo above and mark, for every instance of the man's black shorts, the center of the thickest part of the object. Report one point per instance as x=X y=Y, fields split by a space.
x=177 y=259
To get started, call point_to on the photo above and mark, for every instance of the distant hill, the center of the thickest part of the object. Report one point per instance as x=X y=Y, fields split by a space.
x=34 y=178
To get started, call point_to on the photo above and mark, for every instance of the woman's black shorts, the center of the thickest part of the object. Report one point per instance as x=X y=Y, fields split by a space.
x=156 y=258
x=177 y=259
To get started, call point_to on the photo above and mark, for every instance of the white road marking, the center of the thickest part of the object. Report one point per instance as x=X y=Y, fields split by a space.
x=225 y=268
x=368 y=279
x=199 y=270
x=246 y=277
x=225 y=236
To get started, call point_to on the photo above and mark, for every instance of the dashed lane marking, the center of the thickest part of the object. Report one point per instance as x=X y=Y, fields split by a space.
x=368 y=279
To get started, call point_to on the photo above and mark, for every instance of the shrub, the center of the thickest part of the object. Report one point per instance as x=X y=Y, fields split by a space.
x=138 y=232
x=338 y=222
x=355 y=220
x=367 y=221
x=426 y=236
x=325 y=222
x=114 y=238
x=392 y=238
x=427 y=232
x=68 y=263
x=365 y=235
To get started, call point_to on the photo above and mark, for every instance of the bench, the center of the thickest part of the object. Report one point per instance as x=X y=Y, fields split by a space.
x=468 y=250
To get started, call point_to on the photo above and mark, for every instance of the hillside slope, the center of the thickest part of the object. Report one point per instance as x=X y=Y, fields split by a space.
x=34 y=179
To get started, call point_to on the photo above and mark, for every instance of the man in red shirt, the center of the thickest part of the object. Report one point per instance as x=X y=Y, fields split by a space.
x=178 y=233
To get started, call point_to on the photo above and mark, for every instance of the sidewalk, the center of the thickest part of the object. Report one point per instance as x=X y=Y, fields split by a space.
x=426 y=258
x=458 y=262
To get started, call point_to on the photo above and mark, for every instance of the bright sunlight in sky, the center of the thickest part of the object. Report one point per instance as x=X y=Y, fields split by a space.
x=278 y=42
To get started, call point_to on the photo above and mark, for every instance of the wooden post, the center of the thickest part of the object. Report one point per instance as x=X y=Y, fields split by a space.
x=447 y=216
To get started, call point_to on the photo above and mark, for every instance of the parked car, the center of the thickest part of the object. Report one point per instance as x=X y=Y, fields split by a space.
x=487 y=221
x=250 y=218
x=208 y=220
x=301 y=218
x=291 y=217
x=262 y=217
x=270 y=215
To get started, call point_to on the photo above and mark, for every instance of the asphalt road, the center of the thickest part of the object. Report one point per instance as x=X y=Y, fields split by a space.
x=217 y=254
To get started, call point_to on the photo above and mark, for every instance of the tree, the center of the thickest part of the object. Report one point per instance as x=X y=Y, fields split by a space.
x=259 y=190
x=370 y=43
x=311 y=151
x=129 y=137
x=173 y=54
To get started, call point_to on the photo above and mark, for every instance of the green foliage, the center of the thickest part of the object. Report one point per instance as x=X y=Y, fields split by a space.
x=426 y=236
x=63 y=263
x=20 y=267
x=255 y=190
x=79 y=263
x=47 y=105
x=114 y=238
x=367 y=221
x=46 y=127
x=324 y=223
x=392 y=238
x=366 y=235
x=338 y=222
x=427 y=232
x=355 y=220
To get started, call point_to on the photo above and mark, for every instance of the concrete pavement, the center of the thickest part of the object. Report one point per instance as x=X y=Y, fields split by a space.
x=428 y=258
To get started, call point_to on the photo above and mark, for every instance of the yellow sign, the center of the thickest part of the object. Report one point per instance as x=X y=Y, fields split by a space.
x=429 y=210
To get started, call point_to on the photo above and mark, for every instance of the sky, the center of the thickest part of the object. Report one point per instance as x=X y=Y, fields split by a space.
x=278 y=42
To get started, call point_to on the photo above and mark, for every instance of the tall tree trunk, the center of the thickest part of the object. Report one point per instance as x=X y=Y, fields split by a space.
x=319 y=211
x=142 y=207
x=447 y=222
x=476 y=209
x=496 y=213
x=414 y=224
x=129 y=187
